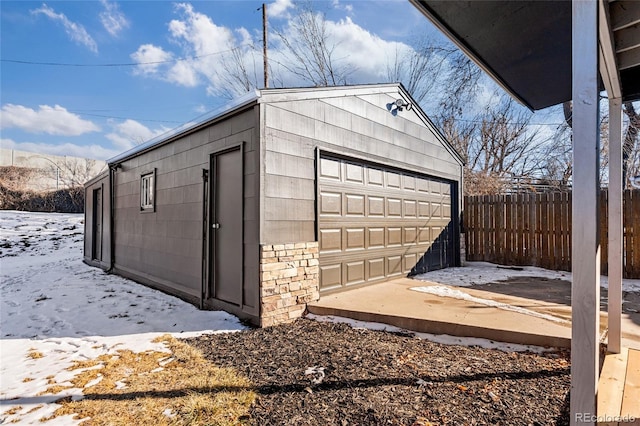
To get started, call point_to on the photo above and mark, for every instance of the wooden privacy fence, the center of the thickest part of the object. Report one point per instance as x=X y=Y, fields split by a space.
x=535 y=229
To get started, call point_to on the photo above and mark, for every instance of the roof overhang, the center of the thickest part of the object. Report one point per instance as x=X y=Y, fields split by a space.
x=231 y=108
x=525 y=46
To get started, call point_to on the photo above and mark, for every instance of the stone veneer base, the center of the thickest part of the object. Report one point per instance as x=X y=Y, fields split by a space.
x=289 y=276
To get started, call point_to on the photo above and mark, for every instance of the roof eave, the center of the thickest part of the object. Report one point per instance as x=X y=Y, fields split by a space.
x=231 y=108
x=431 y=125
x=456 y=39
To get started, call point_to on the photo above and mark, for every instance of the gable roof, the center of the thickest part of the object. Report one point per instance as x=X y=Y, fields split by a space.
x=293 y=94
x=286 y=94
x=180 y=131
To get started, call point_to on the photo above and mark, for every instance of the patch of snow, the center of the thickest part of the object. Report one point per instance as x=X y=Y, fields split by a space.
x=169 y=413
x=55 y=304
x=478 y=273
x=165 y=361
x=443 y=291
x=316 y=372
x=444 y=339
x=94 y=381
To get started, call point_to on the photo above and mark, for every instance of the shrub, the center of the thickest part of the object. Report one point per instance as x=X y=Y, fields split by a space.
x=68 y=200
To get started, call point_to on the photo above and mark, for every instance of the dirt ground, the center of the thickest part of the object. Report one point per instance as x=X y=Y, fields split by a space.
x=313 y=373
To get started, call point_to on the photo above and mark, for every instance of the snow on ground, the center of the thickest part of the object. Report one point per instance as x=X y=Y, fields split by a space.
x=483 y=273
x=54 y=305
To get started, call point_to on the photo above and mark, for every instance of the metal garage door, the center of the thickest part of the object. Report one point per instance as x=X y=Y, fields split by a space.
x=376 y=223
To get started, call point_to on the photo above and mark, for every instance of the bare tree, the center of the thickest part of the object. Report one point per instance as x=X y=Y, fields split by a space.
x=630 y=147
x=431 y=67
x=508 y=145
x=77 y=171
x=558 y=164
x=460 y=133
x=309 y=51
x=16 y=178
x=418 y=67
x=499 y=146
x=461 y=83
x=495 y=144
x=238 y=76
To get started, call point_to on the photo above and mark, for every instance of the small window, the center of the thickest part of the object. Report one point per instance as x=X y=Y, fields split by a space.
x=147 y=191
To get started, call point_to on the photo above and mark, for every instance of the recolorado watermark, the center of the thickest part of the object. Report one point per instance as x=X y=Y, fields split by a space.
x=593 y=418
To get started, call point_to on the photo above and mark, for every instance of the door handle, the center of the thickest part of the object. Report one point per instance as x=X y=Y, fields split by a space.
x=215 y=226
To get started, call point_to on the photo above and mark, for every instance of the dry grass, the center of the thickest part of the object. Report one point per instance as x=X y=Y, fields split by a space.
x=36 y=408
x=157 y=388
x=27 y=380
x=33 y=354
x=12 y=410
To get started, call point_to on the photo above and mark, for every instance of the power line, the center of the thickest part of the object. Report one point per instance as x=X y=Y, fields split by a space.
x=181 y=126
x=510 y=122
x=123 y=64
x=125 y=118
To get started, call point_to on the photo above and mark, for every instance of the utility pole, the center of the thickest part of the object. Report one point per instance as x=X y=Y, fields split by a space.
x=264 y=45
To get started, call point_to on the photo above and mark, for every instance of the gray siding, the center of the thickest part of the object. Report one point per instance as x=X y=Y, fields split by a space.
x=282 y=134
x=359 y=126
x=164 y=248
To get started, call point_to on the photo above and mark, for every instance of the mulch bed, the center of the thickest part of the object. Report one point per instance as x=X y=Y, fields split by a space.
x=383 y=378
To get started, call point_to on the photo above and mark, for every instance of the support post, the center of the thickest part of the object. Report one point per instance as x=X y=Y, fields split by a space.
x=615 y=225
x=585 y=253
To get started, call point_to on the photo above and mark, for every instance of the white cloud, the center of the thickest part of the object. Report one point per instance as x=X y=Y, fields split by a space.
x=341 y=6
x=74 y=30
x=364 y=55
x=96 y=152
x=198 y=32
x=280 y=8
x=112 y=18
x=130 y=133
x=207 y=45
x=149 y=59
x=200 y=40
x=54 y=120
x=245 y=36
x=365 y=51
x=184 y=73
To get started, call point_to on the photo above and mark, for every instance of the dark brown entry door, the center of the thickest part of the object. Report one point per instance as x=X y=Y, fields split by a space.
x=226 y=226
x=97 y=224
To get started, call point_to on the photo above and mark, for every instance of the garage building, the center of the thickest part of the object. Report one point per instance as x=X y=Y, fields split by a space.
x=287 y=195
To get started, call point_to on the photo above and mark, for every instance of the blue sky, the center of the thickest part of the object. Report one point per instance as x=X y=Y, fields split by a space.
x=97 y=107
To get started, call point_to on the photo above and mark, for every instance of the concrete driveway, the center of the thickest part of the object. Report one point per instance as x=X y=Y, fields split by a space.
x=529 y=310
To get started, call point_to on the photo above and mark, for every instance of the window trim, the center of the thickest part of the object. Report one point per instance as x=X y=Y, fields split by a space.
x=150 y=177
